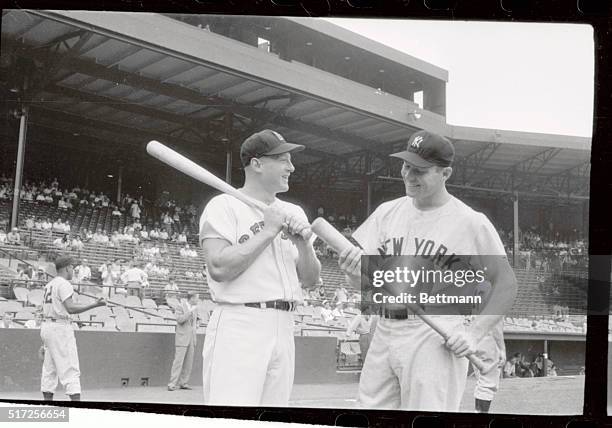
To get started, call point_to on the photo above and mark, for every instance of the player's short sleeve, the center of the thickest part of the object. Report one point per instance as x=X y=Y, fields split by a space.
x=368 y=233
x=64 y=290
x=487 y=239
x=218 y=221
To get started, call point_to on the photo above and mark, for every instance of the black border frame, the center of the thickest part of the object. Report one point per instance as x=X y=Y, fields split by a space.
x=597 y=13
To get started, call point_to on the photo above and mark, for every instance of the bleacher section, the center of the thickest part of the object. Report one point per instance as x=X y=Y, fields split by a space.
x=532 y=310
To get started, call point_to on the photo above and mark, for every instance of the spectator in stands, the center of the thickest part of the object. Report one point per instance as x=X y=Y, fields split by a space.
x=163 y=235
x=77 y=244
x=523 y=368
x=171 y=290
x=40 y=274
x=167 y=222
x=189 y=274
x=13 y=237
x=116 y=212
x=338 y=312
x=135 y=279
x=164 y=251
x=6 y=321
x=89 y=235
x=186 y=252
x=40 y=198
x=48 y=199
x=326 y=312
x=2 y=236
x=114 y=239
x=24 y=274
x=38 y=223
x=154 y=234
x=47 y=225
x=82 y=273
x=182 y=238
x=537 y=367
x=62 y=205
x=320 y=290
x=58 y=226
x=36 y=322
x=29 y=223
x=340 y=295
x=144 y=234
x=62 y=243
x=185 y=342
x=137 y=225
x=135 y=210
x=106 y=275
x=509 y=369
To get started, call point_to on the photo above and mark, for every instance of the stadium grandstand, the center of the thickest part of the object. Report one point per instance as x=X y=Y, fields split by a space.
x=87 y=91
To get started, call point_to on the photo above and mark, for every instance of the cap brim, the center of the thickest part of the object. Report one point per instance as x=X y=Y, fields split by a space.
x=286 y=147
x=413 y=159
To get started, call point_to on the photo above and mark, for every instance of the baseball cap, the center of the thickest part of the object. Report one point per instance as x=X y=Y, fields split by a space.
x=266 y=142
x=426 y=149
x=63 y=261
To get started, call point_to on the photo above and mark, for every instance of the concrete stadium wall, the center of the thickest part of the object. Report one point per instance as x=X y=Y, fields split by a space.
x=106 y=358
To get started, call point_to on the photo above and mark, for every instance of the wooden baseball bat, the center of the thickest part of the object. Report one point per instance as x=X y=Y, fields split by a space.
x=330 y=235
x=192 y=169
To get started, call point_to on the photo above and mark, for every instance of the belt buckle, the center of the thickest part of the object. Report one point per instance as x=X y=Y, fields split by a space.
x=262 y=305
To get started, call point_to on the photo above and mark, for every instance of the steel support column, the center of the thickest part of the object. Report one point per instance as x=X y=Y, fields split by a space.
x=23 y=129
x=228 y=142
x=515 y=250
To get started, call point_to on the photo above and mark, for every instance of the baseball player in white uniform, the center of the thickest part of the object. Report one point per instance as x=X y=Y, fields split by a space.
x=255 y=262
x=408 y=365
x=61 y=360
x=491 y=350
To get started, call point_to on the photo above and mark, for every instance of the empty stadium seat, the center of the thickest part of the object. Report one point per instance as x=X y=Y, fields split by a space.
x=133 y=301
x=35 y=297
x=10 y=306
x=124 y=323
x=149 y=303
x=21 y=294
x=24 y=315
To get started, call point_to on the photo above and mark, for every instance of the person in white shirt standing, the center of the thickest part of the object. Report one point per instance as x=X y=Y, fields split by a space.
x=61 y=361
x=255 y=262
x=135 y=278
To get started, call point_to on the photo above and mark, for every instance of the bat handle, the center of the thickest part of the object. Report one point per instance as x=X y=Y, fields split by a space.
x=482 y=367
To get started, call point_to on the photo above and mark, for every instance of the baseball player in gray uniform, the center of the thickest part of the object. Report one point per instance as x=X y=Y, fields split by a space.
x=255 y=263
x=408 y=365
x=61 y=360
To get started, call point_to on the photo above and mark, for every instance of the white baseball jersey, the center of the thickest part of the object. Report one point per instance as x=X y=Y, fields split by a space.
x=56 y=292
x=408 y=365
x=399 y=228
x=273 y=274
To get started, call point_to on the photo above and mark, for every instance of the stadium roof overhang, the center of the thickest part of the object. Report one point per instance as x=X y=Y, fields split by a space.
x=119 y=80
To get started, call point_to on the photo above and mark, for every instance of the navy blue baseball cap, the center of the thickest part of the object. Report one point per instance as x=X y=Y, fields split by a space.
x=266 y=142
x=426 y=149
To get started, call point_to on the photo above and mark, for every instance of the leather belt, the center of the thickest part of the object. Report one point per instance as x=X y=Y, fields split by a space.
x=397 y=314
x=281 y=305
x=59 y=320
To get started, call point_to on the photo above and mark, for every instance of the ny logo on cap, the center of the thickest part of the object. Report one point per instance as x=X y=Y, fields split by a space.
x=416 y=143
x=279 y=136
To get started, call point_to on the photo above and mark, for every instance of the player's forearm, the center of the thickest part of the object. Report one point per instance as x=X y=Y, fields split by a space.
x=77 y=308
x=500 y=302
x=233 y=260
x=308 y=265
